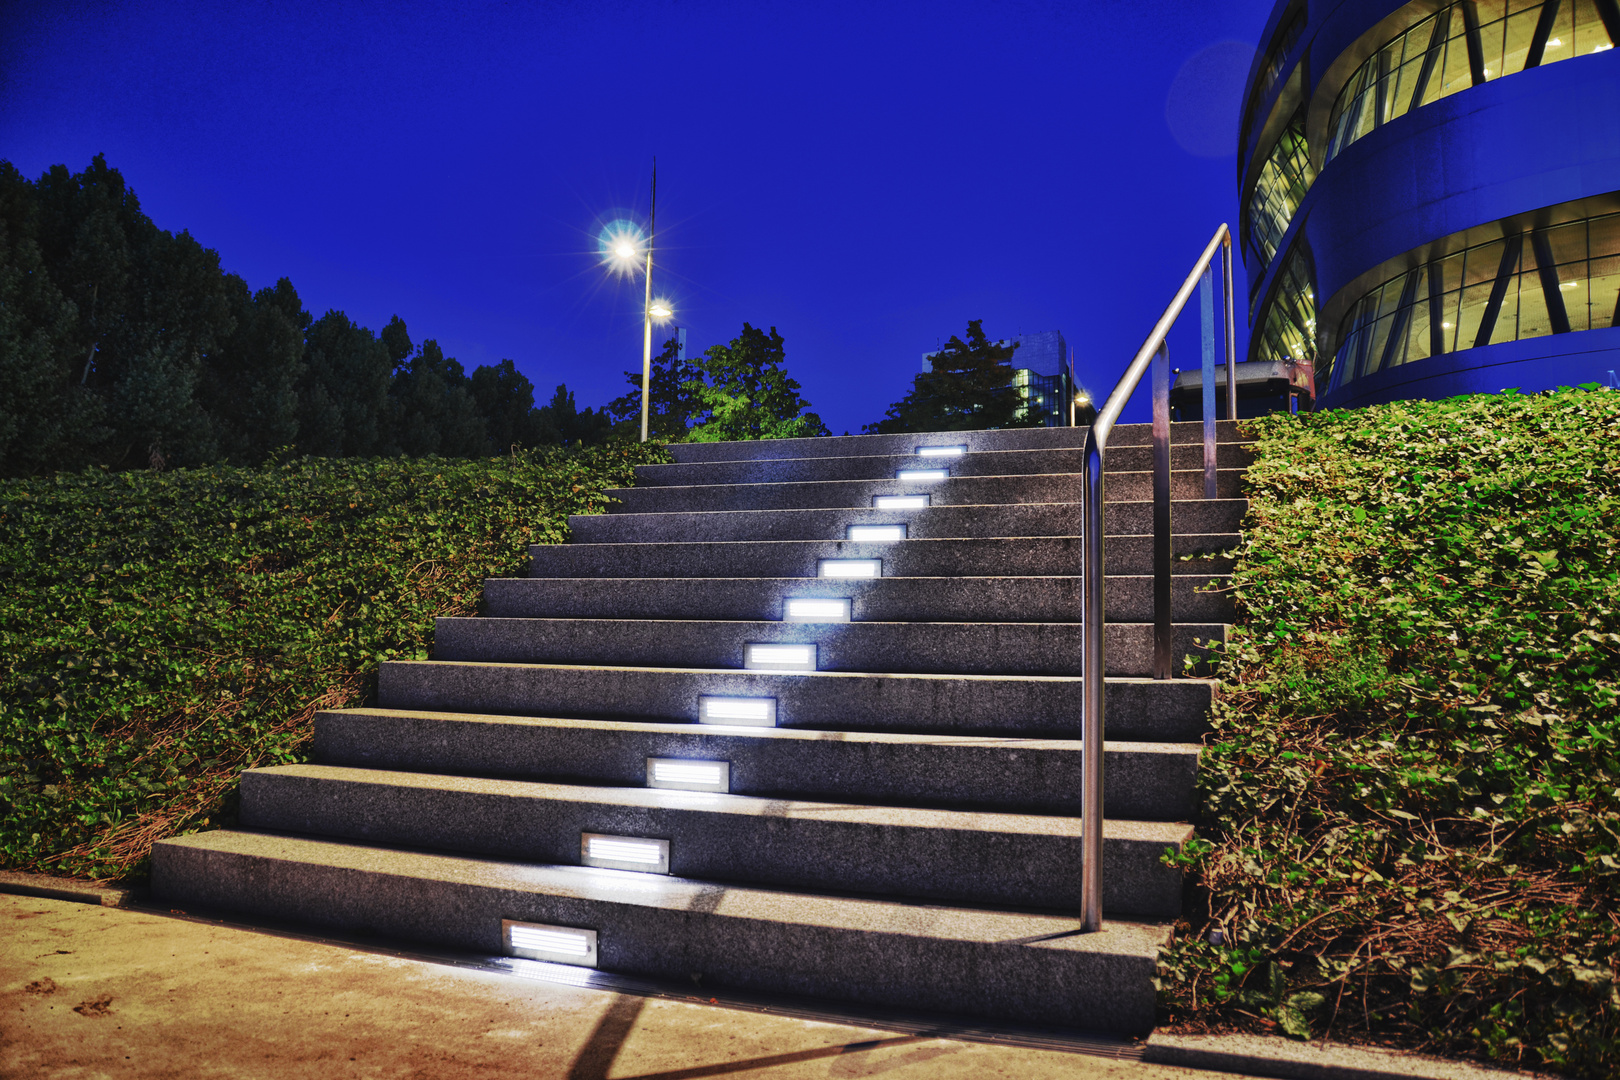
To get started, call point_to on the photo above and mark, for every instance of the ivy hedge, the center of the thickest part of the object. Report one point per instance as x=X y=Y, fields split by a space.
x=1411 y=794
x=163 y=631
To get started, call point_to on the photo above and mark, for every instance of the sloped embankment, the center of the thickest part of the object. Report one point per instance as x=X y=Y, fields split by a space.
x=1411 y=798
x=164 y=631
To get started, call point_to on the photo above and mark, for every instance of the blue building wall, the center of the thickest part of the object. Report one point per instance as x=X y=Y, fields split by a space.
x=1503 y=150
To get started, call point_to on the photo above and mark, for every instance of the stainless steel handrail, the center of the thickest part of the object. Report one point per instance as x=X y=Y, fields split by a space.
x=1092 y=607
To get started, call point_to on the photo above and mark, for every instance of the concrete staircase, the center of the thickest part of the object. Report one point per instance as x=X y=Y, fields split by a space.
x=905 y=834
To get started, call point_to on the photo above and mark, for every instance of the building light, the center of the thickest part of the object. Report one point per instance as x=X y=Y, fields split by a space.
x=921 y=474
x=773 y=657
x=899 y=502
x=624 y=853
x=941 y=451
x=1569 y=284
x=744 y=711
x=1602 y=48
x=683 y=774
x=558 y=944
x=875 y=532
x=815 y=609
x=851 y=568
x=1554 y=42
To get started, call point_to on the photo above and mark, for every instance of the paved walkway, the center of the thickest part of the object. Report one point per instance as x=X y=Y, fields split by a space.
x=90 y=991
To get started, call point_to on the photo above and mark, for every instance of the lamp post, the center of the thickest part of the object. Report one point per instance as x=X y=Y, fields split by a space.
x=625 y=249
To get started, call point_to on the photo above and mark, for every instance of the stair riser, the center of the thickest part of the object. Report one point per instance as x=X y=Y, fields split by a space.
x=930 y=523
x=1181 y=434
x=1033 y=707
x=876 y=857
x=1143 y=782
x=1037 y=983
x=1037 y=599
x=1005 y=463
x=1017 y=557
x=943 y=648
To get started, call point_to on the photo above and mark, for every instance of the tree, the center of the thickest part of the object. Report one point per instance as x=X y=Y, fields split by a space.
x=746 y=394
x=435 y=407
x=969 y=389
x=343 y=401
x=672 y=401
x=561 y=423
x=250 y=386
x=505 y=401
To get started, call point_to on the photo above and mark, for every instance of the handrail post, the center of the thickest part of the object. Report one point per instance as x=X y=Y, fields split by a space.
x=1092 y=613
x=1231 y=331
x=1206 y=323
x=1161 y=513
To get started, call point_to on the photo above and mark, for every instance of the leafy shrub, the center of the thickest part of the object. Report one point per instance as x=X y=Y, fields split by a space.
x=163 y=631
x=1411 y=795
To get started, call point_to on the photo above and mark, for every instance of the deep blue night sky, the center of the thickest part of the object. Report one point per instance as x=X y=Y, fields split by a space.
x=866 y=178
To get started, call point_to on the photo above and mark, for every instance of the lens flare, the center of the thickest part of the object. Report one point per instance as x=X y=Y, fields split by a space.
x=622 y=245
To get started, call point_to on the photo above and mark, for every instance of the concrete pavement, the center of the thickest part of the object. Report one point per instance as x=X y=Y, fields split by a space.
x=94 y=991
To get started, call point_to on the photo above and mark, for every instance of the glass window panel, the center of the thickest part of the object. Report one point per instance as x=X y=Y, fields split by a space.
x=1507 y=319
x=1516 y=6
x=1417 y=334
x=1490 y=10
x=1567 y=242
x=1471 y=308
x=1451 y=72
x=1572 y=287
x=1604 y=290
x=1481 y=263
x=1490 y=39
x=1603 y=237
x=1533 y=318
x=1284 y=179
x=1449 y=319
x=1590 y=34
x=1375 y=346
x=1407 y=85
x=1520 y=29
x=1561 y=41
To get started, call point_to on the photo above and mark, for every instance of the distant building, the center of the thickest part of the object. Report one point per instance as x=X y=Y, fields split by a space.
x=1046 y=396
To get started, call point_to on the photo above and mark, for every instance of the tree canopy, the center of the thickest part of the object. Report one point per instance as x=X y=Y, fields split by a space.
x=745 y=393
x=969 y=389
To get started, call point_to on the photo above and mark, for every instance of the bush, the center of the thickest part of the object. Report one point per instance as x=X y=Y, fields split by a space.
x=1411 y=796
x=164 y=631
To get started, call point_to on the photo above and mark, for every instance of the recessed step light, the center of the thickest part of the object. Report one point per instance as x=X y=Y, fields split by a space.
x=875 y=532
x=744 y=711
x=558 y=944
x=941 y=451
x=624 y=853
x=851 y=568
x=774 y=657
x=815 y=609
x=684 y=774
x=899 y=502
x=916 y=475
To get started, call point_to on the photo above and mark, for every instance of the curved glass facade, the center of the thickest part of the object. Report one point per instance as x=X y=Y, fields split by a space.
x=1284 y=179
x=1526 y=284
x=1288 y=331
x=1272 y=69
x=1461 y=45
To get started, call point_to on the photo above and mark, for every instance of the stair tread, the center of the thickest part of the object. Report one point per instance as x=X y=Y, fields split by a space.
x=749 y=806
x=706 y=731
x=626 y=888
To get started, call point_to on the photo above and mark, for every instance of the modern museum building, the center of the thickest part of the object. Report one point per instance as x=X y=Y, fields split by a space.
x=1430 y=195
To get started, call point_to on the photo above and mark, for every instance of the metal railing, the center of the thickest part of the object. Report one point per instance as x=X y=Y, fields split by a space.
x=1153 y=352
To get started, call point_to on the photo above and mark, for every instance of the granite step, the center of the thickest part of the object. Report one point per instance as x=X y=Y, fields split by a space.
x=1030 y=967
x=978 y=557
x=953 y=491
x=1144 y=781
x=1031 y=706
x=893 y=466
x=972 y=648
x=1193 y=598
x=974 y=857
x=1190 y=434
x=924 y=523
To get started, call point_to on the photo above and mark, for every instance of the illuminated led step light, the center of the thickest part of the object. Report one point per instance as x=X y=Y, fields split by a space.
x=815 y=609
x=744 y=711
x=941 y=451
x=773 y=657
x=917 y=475
x=875 y=532
x=624 y=853
x=686 y=775
x=558 y=944
x=851 y=568
x=899 y=502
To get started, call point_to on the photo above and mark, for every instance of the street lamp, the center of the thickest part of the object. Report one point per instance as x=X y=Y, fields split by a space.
x=628 y=251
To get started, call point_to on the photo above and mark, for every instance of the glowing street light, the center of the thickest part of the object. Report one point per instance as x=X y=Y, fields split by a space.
x=624 y=248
